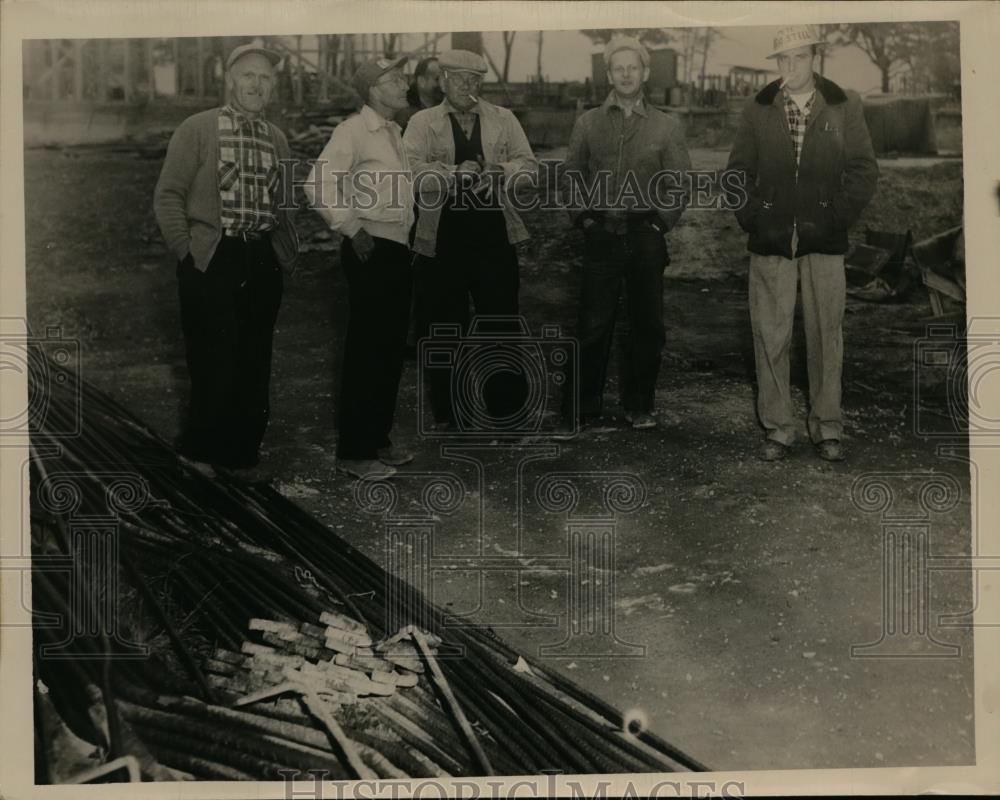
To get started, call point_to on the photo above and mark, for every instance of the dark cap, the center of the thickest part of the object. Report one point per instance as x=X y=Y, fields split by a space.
x=247 y=49
x=370 y=71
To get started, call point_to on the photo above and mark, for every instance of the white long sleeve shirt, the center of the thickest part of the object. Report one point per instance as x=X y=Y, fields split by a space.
x=362 y=179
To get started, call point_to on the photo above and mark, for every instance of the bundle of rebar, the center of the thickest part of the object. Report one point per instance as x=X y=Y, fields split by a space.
x=205 y=654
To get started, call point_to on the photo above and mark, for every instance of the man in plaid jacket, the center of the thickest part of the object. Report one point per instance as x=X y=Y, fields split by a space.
x=221 y=205
x=810 y=170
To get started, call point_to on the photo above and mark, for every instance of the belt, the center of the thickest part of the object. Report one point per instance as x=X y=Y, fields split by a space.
x=248 y=236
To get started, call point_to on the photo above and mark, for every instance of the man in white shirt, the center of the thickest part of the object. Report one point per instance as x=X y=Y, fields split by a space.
x=360 y=185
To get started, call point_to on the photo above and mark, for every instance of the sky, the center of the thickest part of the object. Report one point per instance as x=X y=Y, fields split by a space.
x=566 y=56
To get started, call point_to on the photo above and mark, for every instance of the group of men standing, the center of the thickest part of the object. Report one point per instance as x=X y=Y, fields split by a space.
x=222 y=203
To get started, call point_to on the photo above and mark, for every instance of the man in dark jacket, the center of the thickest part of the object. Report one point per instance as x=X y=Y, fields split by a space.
x=810 y=171
x=624 y=175
x=425 y=91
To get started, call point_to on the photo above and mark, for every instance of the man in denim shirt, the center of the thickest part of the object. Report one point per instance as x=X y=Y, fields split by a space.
x=625 y=180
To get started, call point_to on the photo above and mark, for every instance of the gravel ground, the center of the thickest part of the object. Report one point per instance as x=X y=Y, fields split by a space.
x=738 y=589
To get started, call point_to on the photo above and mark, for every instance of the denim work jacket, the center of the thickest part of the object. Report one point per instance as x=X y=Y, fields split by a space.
x=626 y=167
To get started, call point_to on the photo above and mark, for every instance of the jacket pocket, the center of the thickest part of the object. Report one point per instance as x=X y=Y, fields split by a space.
x=758 y=211
x=229 y=172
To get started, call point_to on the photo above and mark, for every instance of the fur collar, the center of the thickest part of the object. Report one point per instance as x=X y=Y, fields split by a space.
x=832 y=93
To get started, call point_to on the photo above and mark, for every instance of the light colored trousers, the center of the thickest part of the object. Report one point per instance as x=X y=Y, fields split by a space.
x=773 y=281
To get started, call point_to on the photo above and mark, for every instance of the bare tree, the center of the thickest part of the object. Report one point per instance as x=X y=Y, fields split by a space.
x=833 y=36
x=648 y=36
x=508 y=47
x=706 y=45
x=887 y=44
x=538 y=66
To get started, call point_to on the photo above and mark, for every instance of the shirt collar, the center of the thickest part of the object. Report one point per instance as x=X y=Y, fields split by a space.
x=374 y=121
x=239 y=117
x=450 y=109
x=613 y=101
x=791 y=104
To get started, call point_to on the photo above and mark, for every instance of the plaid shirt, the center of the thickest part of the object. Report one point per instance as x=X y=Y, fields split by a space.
x=248 y=172
x=797 y=122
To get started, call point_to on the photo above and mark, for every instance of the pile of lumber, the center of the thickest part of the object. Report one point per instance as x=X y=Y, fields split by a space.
x=889 y=265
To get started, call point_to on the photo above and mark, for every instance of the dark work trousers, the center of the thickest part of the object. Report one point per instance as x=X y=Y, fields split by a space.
x=636 y=259
x=228 y=314
x=445 y=283
x=379 y=301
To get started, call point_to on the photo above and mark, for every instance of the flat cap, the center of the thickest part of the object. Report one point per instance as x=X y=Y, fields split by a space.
x=619 y=42
x=369 y=72
x=462 y=60
x=247 y=49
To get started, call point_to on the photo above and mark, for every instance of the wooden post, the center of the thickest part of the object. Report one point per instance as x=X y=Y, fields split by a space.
x=199 y=75
x=178 y=74
x=101 y=95
x=324 y=67
x=298 y=70
x=78 y=69
x=127 y=72
x=150 y=69
x=54 y=75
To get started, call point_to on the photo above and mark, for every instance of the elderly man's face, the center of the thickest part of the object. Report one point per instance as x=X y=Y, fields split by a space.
x=796 y=67
x=250 y=81
x=460 y=86
x=390 y=89
x=627 y=74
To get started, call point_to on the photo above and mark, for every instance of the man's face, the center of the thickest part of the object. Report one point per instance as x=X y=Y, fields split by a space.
x=796 y=67
x=250 y=81
x=460 y=86
x=430 y=81
x=390 y=89
x=627 y=74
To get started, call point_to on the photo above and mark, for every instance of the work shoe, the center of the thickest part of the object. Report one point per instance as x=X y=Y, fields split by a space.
x=365 y=468
x=773 y=451
x=395 y=456
x=830 y=450
x=640 y=422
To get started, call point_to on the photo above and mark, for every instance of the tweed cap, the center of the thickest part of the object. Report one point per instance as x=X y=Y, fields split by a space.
x=247 y=49
x=369 y=72
x=466 y=60
x=619 y=42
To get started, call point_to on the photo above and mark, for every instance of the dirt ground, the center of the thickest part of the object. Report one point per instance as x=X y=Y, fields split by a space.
x=747 y=584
